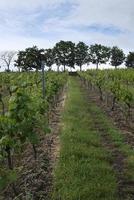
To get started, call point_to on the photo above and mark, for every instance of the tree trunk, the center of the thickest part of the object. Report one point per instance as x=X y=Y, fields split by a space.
x=8 y=69
x=9 y=159
x=80 y=67
x=97 y=66
x=19 y=69
x=50 y=68
x=36 y=70
x=64 y=68
x=35 y=152
x=58 y=68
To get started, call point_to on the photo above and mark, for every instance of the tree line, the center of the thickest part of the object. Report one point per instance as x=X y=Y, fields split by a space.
x=68 y=54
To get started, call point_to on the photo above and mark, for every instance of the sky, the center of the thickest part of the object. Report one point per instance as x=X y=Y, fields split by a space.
x=44 y=22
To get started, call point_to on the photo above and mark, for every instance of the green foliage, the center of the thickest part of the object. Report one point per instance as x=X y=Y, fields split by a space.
x=65 y=53
x=30 y=59
x=7 y=177
x=25 y=116
x=49 y=58
x=23 y=112
x=130 y=60
x=81 y=54
x=99 y=54
x=7 y=129
x=117 y=56
x=118 y=82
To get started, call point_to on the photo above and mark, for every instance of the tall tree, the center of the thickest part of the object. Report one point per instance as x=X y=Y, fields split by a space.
x=99 y=54
x=71 y=54
x=56 y=57
x=81 y=54
x=117 y=56
x=130 y=60
x=49 y=58
x=30 y=58
x=7 y=58
x=20 y=62
x=65 y=54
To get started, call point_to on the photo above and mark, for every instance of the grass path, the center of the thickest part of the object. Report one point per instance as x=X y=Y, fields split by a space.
x=85 y=170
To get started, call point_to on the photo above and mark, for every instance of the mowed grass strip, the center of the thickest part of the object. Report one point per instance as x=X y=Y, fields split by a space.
x=118 y=139
x=83 y=171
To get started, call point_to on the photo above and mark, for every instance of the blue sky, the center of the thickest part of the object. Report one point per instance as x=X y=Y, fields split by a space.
x=45 y=22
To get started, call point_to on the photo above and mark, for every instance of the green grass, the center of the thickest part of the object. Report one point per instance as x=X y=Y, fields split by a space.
x=118 y=139
x=83 y=171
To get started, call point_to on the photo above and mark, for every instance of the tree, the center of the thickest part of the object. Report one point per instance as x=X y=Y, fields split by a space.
x=65 y=54
x=130 y=60
x=20 y=62
x=81 y=54
x=56 y=57
x=30 y=58
x=71 y=54
x=99 y=54
x=117 y=56
x=49 y=58
x=7 y=58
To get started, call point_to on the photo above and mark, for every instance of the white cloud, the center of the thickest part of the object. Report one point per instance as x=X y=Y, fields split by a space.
x=117 y=12
x=28 y=4
x=20 y=43
x=19 y=22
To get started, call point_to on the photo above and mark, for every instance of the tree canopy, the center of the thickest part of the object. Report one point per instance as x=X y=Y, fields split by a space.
x=65 y=53
x=81 y=54
x=130 y=60
x=49 y=58
x=30 y=59
x=117 y=56
x=99 y=54
x=69 y=54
